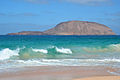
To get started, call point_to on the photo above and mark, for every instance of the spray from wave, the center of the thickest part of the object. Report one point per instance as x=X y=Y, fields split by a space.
x=7 y=53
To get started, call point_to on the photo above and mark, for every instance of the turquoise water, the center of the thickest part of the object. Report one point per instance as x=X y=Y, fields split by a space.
x=20 y=51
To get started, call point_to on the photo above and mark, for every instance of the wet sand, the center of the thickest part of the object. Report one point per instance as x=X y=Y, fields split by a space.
x=102 y=78
x=54 y=73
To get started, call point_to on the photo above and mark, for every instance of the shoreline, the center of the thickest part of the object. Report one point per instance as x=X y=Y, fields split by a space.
x=56 y=73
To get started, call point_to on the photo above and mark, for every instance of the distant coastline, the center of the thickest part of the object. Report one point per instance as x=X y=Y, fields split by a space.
x=72 y=28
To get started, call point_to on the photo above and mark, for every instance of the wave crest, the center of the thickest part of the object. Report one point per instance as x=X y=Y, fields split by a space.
x=64 y=50
x=30 y=53
x=54 y=49
x=7 y=53
x=40 y=50
x=109 y=48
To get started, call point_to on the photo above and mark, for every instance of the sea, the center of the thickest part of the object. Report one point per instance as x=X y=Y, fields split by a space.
x=53 y=50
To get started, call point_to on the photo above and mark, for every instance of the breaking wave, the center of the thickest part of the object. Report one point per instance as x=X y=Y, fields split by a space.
x=109 y=48
x=30 y=53
x=53 y=52
x=7 y=53
x=63 y=50
x=40 y=50
x=59 y=50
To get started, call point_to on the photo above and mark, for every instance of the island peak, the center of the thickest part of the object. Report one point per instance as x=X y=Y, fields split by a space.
x=72 y=28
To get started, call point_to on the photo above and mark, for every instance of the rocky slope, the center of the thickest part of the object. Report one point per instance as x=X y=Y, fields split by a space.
x=73 y=28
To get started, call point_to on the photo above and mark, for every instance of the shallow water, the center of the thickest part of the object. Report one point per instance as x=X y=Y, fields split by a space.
x=20 y=51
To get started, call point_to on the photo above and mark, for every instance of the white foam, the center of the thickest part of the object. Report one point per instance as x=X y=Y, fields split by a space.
x=51 y=60
x=109 y=48
x=100 y=60
x=115 y=47
x=114 y=73
x=40 y=50
x=7 y=53
x=64 y=50
x=61 y=62
x=29 y=61
x=69 y=62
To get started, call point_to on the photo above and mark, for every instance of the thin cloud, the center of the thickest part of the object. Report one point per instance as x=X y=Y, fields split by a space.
x=27 y=14
x=2 y=14
x=21 y=24
x=117 y=14
x=17 y=27
x=35 y=1
x=18 y=24
x=26 y=26
x=81 y=2
x=86 y=1
x=19 y=14
x=90 y=2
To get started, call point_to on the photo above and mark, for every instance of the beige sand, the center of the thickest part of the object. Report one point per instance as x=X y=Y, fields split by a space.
x=55 y=73
x=102 y=78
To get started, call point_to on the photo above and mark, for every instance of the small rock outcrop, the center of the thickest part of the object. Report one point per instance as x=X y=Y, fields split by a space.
x=27 y=33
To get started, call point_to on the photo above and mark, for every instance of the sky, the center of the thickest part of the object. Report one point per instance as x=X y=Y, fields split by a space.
x=40 y=15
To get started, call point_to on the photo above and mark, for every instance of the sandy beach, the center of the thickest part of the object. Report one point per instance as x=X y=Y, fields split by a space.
x=58 y=73
x=102 y=78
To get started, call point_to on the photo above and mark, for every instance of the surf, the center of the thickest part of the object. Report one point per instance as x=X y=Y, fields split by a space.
x=33 y=53
x=7 y=53
x=106 y=49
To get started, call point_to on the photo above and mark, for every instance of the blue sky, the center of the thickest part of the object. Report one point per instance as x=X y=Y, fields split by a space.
x=40 y=15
